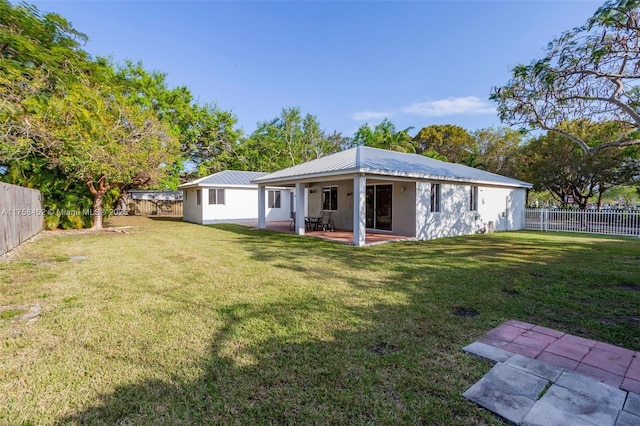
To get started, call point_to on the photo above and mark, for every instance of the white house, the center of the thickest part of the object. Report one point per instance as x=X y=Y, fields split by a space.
x=230 y=196
x=374 y=190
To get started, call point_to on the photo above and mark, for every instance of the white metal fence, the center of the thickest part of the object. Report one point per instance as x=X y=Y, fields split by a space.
x=615 y=222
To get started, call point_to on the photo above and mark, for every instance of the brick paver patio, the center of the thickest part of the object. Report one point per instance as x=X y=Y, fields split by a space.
x=607 y=363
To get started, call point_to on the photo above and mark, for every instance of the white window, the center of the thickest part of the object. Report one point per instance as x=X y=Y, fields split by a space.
x=473 y=198
x=274 y=199
x=330 y=198
x=435 y=197
x=198 y=197
x=216 y=196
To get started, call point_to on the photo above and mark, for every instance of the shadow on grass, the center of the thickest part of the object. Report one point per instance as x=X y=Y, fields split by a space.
x=390 y=360
x=166 y=218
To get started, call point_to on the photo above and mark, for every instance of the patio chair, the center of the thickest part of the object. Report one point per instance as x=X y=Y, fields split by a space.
x=292 y=223
x=327 y=222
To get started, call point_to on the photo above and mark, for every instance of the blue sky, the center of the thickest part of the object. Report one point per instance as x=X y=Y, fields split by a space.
x=417 y=63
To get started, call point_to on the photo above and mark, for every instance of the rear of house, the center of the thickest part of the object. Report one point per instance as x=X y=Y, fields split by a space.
x=369 y=190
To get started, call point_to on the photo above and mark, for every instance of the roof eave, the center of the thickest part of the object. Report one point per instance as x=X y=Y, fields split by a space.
x=294 y=178
x=305 y=177
x=215 y=185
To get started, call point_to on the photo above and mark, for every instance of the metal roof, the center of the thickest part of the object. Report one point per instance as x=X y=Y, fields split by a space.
x=226 y=178
x=363 y=159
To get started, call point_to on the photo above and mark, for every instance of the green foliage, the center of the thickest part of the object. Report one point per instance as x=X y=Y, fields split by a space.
x=285 y=141
x=384 y=136
x=76 y=126
x=444 y=142
x=555 y=163
x=589 y=72
x=206 y=133
x=497 y=150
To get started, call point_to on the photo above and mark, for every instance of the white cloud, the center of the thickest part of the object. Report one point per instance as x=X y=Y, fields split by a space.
x=371 y=115
x=450 y=106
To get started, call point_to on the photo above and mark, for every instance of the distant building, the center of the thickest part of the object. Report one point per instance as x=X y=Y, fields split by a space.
x=155 y=195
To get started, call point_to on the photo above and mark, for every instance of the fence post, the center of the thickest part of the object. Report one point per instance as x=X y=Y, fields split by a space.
x=545 y=214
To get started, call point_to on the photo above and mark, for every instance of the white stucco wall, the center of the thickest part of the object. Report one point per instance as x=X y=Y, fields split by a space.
x=284 y=212
x=190 y=211
x=502 y=206
x=404 y=208
x=241 y=205
x=343 y=217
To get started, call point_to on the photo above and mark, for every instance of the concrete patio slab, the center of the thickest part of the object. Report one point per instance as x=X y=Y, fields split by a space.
x=602 y=361
x=568 y=404
x=592 y=389
x=487 y=394
x=507 y=391
x=488 y=352
x=533 y=366
x=556 y=379
x=632 y=404
x=627 y=419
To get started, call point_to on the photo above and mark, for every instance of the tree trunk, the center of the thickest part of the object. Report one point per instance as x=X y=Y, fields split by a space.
x=98 y=197
x=599 y=199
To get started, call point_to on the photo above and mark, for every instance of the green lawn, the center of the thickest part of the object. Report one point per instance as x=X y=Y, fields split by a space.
x=174 y=323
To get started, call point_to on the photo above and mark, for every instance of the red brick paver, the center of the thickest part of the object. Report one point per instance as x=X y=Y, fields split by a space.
x=631 y=385
x=607 y=363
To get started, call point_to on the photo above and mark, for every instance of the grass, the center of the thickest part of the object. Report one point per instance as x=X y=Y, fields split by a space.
x=173 y=323
x=10 y=313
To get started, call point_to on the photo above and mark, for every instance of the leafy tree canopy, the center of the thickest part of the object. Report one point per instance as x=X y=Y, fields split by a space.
x=285 y=141
x=206 y=133
x=555 y=163
x=590 y=72
x=497 y=150
x=62 y=110
x=445 y=142
x=384 y=136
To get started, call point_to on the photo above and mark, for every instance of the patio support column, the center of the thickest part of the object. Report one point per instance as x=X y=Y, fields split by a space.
x=300 y=208
x=359 y=209
x=262 y=219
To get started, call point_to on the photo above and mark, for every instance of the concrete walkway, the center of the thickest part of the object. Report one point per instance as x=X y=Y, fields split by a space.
x=538 y=378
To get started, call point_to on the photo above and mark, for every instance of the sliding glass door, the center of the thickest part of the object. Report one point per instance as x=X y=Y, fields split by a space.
x=379 y=207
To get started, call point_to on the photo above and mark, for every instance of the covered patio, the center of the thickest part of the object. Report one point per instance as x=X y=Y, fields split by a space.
x=372 y=195
x=342 y=236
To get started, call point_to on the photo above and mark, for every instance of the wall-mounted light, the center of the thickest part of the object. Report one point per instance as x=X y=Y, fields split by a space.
x=312 y=191
x=402 y=188
x=349 y=194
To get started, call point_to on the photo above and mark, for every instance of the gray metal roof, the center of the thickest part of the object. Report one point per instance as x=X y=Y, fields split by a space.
x=368 y=160
x=226 y=178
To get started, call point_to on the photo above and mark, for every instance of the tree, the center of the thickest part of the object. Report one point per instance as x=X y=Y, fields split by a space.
x=63 y=198
x=39 y=55
x=285 y=141
x=207 y=134
x=497 y=150
x=589 y=73
x=384 y=136
x=555 y=163
x=95 y=136
x=445 y=142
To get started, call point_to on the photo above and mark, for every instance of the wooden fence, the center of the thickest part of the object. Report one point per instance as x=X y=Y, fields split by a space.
x=155 y=207
x=21 y=215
